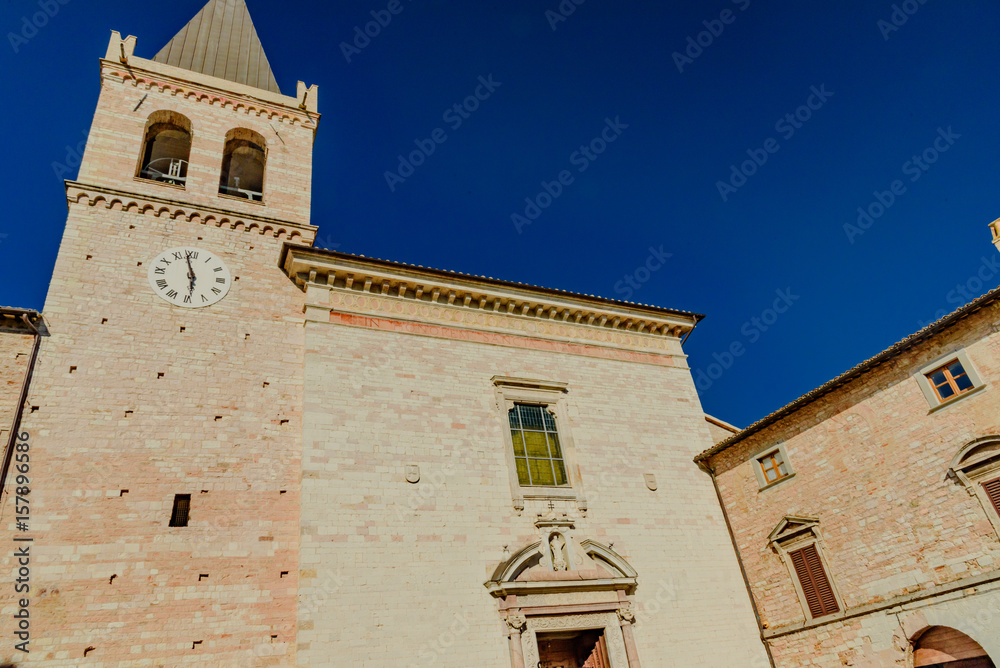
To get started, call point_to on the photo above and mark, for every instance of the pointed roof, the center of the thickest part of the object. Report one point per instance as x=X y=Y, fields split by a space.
x=221 y=41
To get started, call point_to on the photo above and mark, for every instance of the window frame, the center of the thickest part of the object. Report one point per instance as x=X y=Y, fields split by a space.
x=976 y=465
x=553 y=397
x=804 y=533
x=931 y=393
x=758 y=469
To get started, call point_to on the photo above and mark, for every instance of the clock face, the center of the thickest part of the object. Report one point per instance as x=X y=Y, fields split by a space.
x=189 y=277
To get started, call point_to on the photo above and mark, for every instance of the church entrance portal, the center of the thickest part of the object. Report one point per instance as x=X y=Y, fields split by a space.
x=573 y=649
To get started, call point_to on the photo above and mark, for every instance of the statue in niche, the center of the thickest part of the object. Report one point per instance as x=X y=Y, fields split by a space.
x=558 y=546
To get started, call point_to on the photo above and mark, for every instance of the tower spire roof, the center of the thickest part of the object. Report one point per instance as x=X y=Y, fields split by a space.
x=221 y=41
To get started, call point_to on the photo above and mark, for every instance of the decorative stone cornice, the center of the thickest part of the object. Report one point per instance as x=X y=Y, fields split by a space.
x=336 y=282
x=118 y=200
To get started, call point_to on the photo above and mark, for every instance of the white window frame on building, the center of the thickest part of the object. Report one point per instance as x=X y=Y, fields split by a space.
x=758 y=466
x=552 y=396
x=931 y=395
x=797 y=533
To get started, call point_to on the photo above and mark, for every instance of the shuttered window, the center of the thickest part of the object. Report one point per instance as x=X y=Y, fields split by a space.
x=815 y=583
x=993 y=491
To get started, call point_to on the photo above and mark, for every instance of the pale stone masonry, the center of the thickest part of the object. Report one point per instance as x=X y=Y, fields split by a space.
x=891 y=482
x=340 y=426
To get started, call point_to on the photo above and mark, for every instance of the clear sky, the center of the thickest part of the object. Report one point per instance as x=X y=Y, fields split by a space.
x=892 y=104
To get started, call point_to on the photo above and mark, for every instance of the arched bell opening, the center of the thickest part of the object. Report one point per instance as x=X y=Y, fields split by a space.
x=244 y=163
x=166 y=148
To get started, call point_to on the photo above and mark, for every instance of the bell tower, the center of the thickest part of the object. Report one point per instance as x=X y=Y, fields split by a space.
x=166 y=410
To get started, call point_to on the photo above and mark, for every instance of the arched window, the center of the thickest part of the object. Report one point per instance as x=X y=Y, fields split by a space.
x=243 y=165
x=943 y=647
x=166 y=148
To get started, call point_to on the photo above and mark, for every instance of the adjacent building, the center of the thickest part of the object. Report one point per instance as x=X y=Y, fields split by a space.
x=867 y=513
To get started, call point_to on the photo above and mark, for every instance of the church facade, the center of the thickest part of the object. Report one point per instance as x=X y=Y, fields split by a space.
x=237 y=449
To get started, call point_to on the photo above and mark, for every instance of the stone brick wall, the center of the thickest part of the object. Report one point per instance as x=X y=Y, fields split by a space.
x=163 y=401
x=393 y=573
x=871 y=461
x=15 y=353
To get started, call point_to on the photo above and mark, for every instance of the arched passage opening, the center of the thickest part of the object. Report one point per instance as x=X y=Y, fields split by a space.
x=944 y=647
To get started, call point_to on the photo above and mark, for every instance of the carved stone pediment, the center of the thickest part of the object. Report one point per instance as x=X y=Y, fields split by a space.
x=590 y=566
x=791 y=526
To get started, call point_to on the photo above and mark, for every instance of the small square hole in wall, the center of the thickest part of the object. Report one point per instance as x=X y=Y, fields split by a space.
x=182 y=508
x=123 y=492
x=218 y=418
x=246 y=337
x=89 y=650
x=283 y=492
x=139 y=264
x=284 y=573
x=266 y=384
x=159 y=375
x=34 y=409
x=72 y=369
x=183 y=329
x=273 y=638
x=195 y=644
x=90 y=257
x=104 y=321
x=129 y=413
x=238 y=278
x=131 y=227
x=204 y=491
x=284 y=422
x=202 y=576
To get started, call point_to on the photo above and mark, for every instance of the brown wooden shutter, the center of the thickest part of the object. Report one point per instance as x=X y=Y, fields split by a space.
x=993 y=491
x=815 y=584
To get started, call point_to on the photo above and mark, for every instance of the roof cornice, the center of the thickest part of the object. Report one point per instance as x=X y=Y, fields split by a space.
x=348 y=276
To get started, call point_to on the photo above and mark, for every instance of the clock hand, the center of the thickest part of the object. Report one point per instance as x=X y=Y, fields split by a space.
x=191 y=276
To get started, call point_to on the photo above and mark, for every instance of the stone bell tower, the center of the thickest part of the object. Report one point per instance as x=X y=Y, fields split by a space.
x=165 y=413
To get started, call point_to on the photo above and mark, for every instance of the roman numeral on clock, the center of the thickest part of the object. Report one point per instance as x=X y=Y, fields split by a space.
x=172 y=294
x=220 y=280
x=217 y=291
x=187 y=299
x=161 y=284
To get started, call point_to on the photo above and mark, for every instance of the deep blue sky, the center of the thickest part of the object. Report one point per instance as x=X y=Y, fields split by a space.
x=655 y=186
